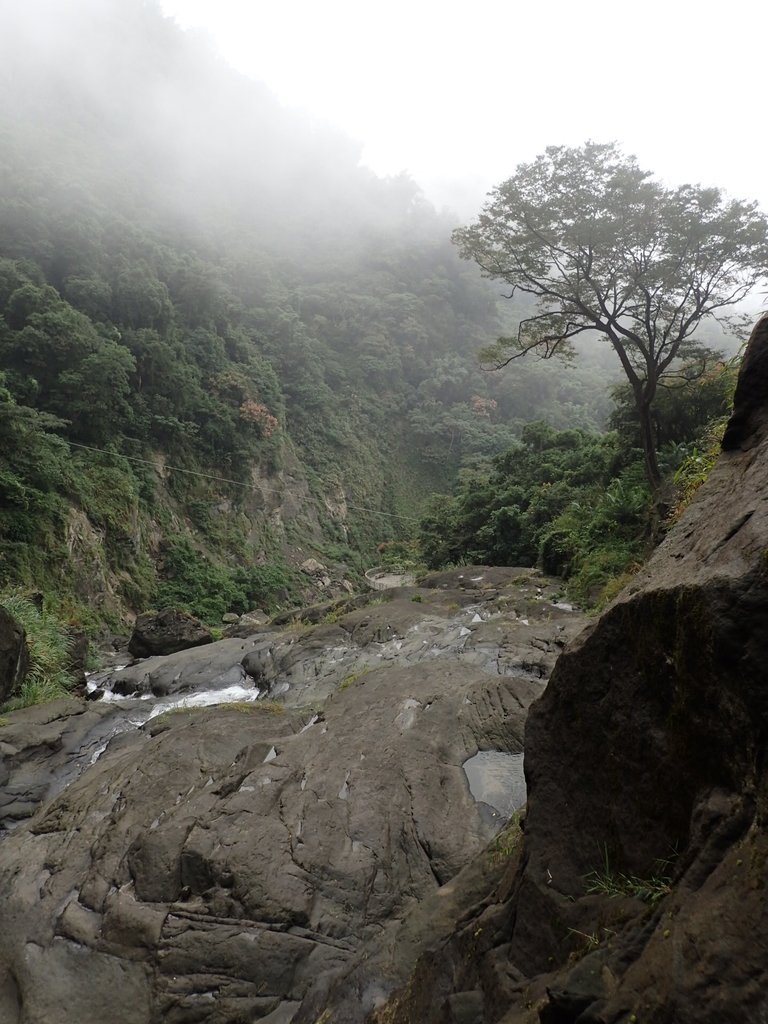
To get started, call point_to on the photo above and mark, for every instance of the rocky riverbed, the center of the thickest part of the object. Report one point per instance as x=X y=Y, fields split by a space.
x=231 y=824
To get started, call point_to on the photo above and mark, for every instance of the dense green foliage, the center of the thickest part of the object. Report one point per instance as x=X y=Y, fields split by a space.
x=575 y=503
x=682 y=412
x=192 y=582
x=262 y=338
x=33 y=473
x=49 y=644
x=561 y=500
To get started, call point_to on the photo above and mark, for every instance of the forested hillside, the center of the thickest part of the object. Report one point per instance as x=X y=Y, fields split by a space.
x=205 y=285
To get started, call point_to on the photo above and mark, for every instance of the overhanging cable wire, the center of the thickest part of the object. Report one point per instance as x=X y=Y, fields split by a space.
x=225 y=480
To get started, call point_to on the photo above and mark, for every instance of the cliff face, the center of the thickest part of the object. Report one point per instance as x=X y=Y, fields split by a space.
x=638 y=893
x=275 y=519
x=647 y=752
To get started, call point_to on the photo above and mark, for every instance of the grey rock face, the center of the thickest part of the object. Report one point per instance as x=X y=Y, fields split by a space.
x=45 y=747
x=517 y=628
x=240 y=854
x=214 y=865
x=312 y=567
x=213 y=666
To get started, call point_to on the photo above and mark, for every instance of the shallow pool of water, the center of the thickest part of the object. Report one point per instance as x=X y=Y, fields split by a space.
x=496 y=779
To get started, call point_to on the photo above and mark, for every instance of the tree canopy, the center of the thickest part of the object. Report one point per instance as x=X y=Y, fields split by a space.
x=603 y=247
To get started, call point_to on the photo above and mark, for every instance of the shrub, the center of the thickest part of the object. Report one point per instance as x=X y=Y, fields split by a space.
x=191 y=581
x=49 y=645
x=696 y=467
x=263 y=586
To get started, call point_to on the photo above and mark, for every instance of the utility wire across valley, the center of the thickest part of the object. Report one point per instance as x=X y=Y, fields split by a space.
x=225 y=480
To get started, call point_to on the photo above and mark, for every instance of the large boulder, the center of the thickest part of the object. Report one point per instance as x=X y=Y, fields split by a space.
x=14 y=657
x=214 y=666
x=671 y=694
x=166 y=632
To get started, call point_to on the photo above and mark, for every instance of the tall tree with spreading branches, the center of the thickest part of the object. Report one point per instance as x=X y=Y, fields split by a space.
x=605 y=248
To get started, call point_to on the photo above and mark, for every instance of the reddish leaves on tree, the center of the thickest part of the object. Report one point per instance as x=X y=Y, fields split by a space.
x=255 y=412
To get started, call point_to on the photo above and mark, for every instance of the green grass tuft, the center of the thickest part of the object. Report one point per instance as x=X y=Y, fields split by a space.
x=615 y=884
x=352 y=678
x=508 y=841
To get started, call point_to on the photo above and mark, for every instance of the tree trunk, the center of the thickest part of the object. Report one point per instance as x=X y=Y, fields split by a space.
x=648 y=442
x=659 y=493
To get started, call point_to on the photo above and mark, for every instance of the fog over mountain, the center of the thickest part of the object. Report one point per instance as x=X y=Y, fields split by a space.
x=198 y=271
x=192 y=272
x=149 y=100
x=458 y=96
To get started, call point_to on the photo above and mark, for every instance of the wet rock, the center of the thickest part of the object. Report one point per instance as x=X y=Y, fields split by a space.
x=212 y=666
x=515 y=628
x=260 y=664
x=251 y=851
x=44 y=747
x=165 y=632
x=248 y=853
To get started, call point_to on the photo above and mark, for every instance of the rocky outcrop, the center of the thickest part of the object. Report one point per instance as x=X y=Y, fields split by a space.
x=78 y=657
x=506 y=622
x=14 y=657
x=217 y=863
x=638 y=892
x=750 y=409
x=165 y=632
x=45 y=747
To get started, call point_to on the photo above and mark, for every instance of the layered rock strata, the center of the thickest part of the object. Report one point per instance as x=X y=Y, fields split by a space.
x=216 y=863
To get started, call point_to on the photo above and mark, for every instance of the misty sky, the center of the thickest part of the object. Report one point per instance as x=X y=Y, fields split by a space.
x=458 y=94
